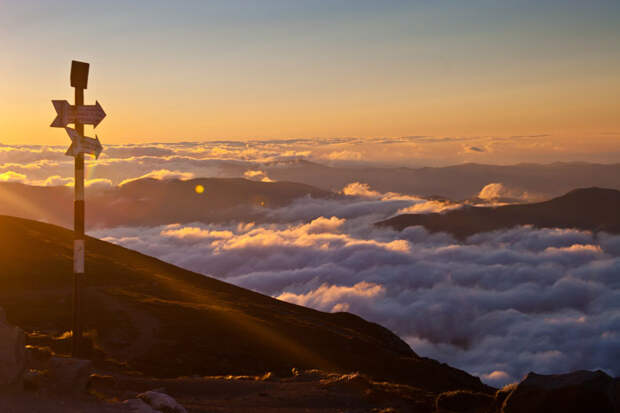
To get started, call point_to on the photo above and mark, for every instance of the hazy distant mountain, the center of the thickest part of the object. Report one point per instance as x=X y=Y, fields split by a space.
x=149 y=316
x=593 y=209
x=154 y=202
x=455 y=182
x=149 y=201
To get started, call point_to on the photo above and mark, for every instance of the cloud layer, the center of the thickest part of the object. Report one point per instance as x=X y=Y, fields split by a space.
x=223 y=158
x=498 y=305
x=388 y=164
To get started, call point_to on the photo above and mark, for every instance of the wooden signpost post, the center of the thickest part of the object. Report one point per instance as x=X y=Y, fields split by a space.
x=80 y=115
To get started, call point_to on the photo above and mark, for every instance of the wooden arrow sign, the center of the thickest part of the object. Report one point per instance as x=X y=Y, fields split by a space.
x=83 y=144
x=84 y=114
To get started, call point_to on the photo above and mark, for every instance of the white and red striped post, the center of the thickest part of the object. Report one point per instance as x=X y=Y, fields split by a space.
x=78 y=114
x=79 y=80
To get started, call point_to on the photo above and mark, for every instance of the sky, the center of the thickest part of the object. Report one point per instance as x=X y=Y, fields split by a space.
x=276 y=69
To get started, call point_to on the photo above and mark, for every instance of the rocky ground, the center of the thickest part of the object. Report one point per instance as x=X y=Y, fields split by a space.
x=34 y=379
x=65 y=384
x=304 y=391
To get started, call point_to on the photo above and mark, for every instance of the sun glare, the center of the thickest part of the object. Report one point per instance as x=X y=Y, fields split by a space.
x=199 y=189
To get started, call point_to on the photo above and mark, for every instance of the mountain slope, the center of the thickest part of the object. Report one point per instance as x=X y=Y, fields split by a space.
x=146 y=315
x=594 y=209
x=155 y=202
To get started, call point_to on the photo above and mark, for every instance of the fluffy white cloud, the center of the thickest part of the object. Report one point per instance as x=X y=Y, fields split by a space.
x=344 y=156
x=257 y=176
x=55 y=180
x=497 y=191
x=416 y=205
x=430 y=206
x=25 y=154
x=360 y=189
x=10 y=176
x=99 y=184
x=193 y=233
x=161 y=174
x=335 y=298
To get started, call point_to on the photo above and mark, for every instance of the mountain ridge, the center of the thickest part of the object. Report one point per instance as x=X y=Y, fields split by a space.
x=461 y=181
x=593 y=209
x=166 y=201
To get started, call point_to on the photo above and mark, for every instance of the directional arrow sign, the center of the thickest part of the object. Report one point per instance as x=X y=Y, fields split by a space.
x=83 y=144
x=84 y=114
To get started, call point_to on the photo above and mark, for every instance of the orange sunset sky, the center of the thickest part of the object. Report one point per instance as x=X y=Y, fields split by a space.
x=168 y=71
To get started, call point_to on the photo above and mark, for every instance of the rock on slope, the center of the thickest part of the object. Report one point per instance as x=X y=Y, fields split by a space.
x=579 y=391
x=12 y=352
x=576 y=392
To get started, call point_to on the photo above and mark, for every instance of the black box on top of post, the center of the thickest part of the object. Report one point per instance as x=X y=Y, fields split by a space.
x=79 y=74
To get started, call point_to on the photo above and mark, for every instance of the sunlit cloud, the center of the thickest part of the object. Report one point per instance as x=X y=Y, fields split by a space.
x=360 y=189
x=11 y=176
x=428 y=207
x=161 y=174
x=497 y=191
x=257 y=175
x=344 y=156
x=334 y=298
x=55 y=180
x=194 y=233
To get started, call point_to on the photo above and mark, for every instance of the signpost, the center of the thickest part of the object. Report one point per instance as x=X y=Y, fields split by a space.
x=80 y=115
x=85 y=114
x=83 y=144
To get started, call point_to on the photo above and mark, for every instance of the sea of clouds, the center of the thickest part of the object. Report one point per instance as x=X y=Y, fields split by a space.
x=497 y=304
x=48 y=165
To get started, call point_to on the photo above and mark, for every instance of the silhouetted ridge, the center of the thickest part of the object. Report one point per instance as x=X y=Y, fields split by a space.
x=594 y=209
x=589 y=194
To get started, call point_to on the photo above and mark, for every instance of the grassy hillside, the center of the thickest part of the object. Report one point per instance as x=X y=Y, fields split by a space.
x=145 y=315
